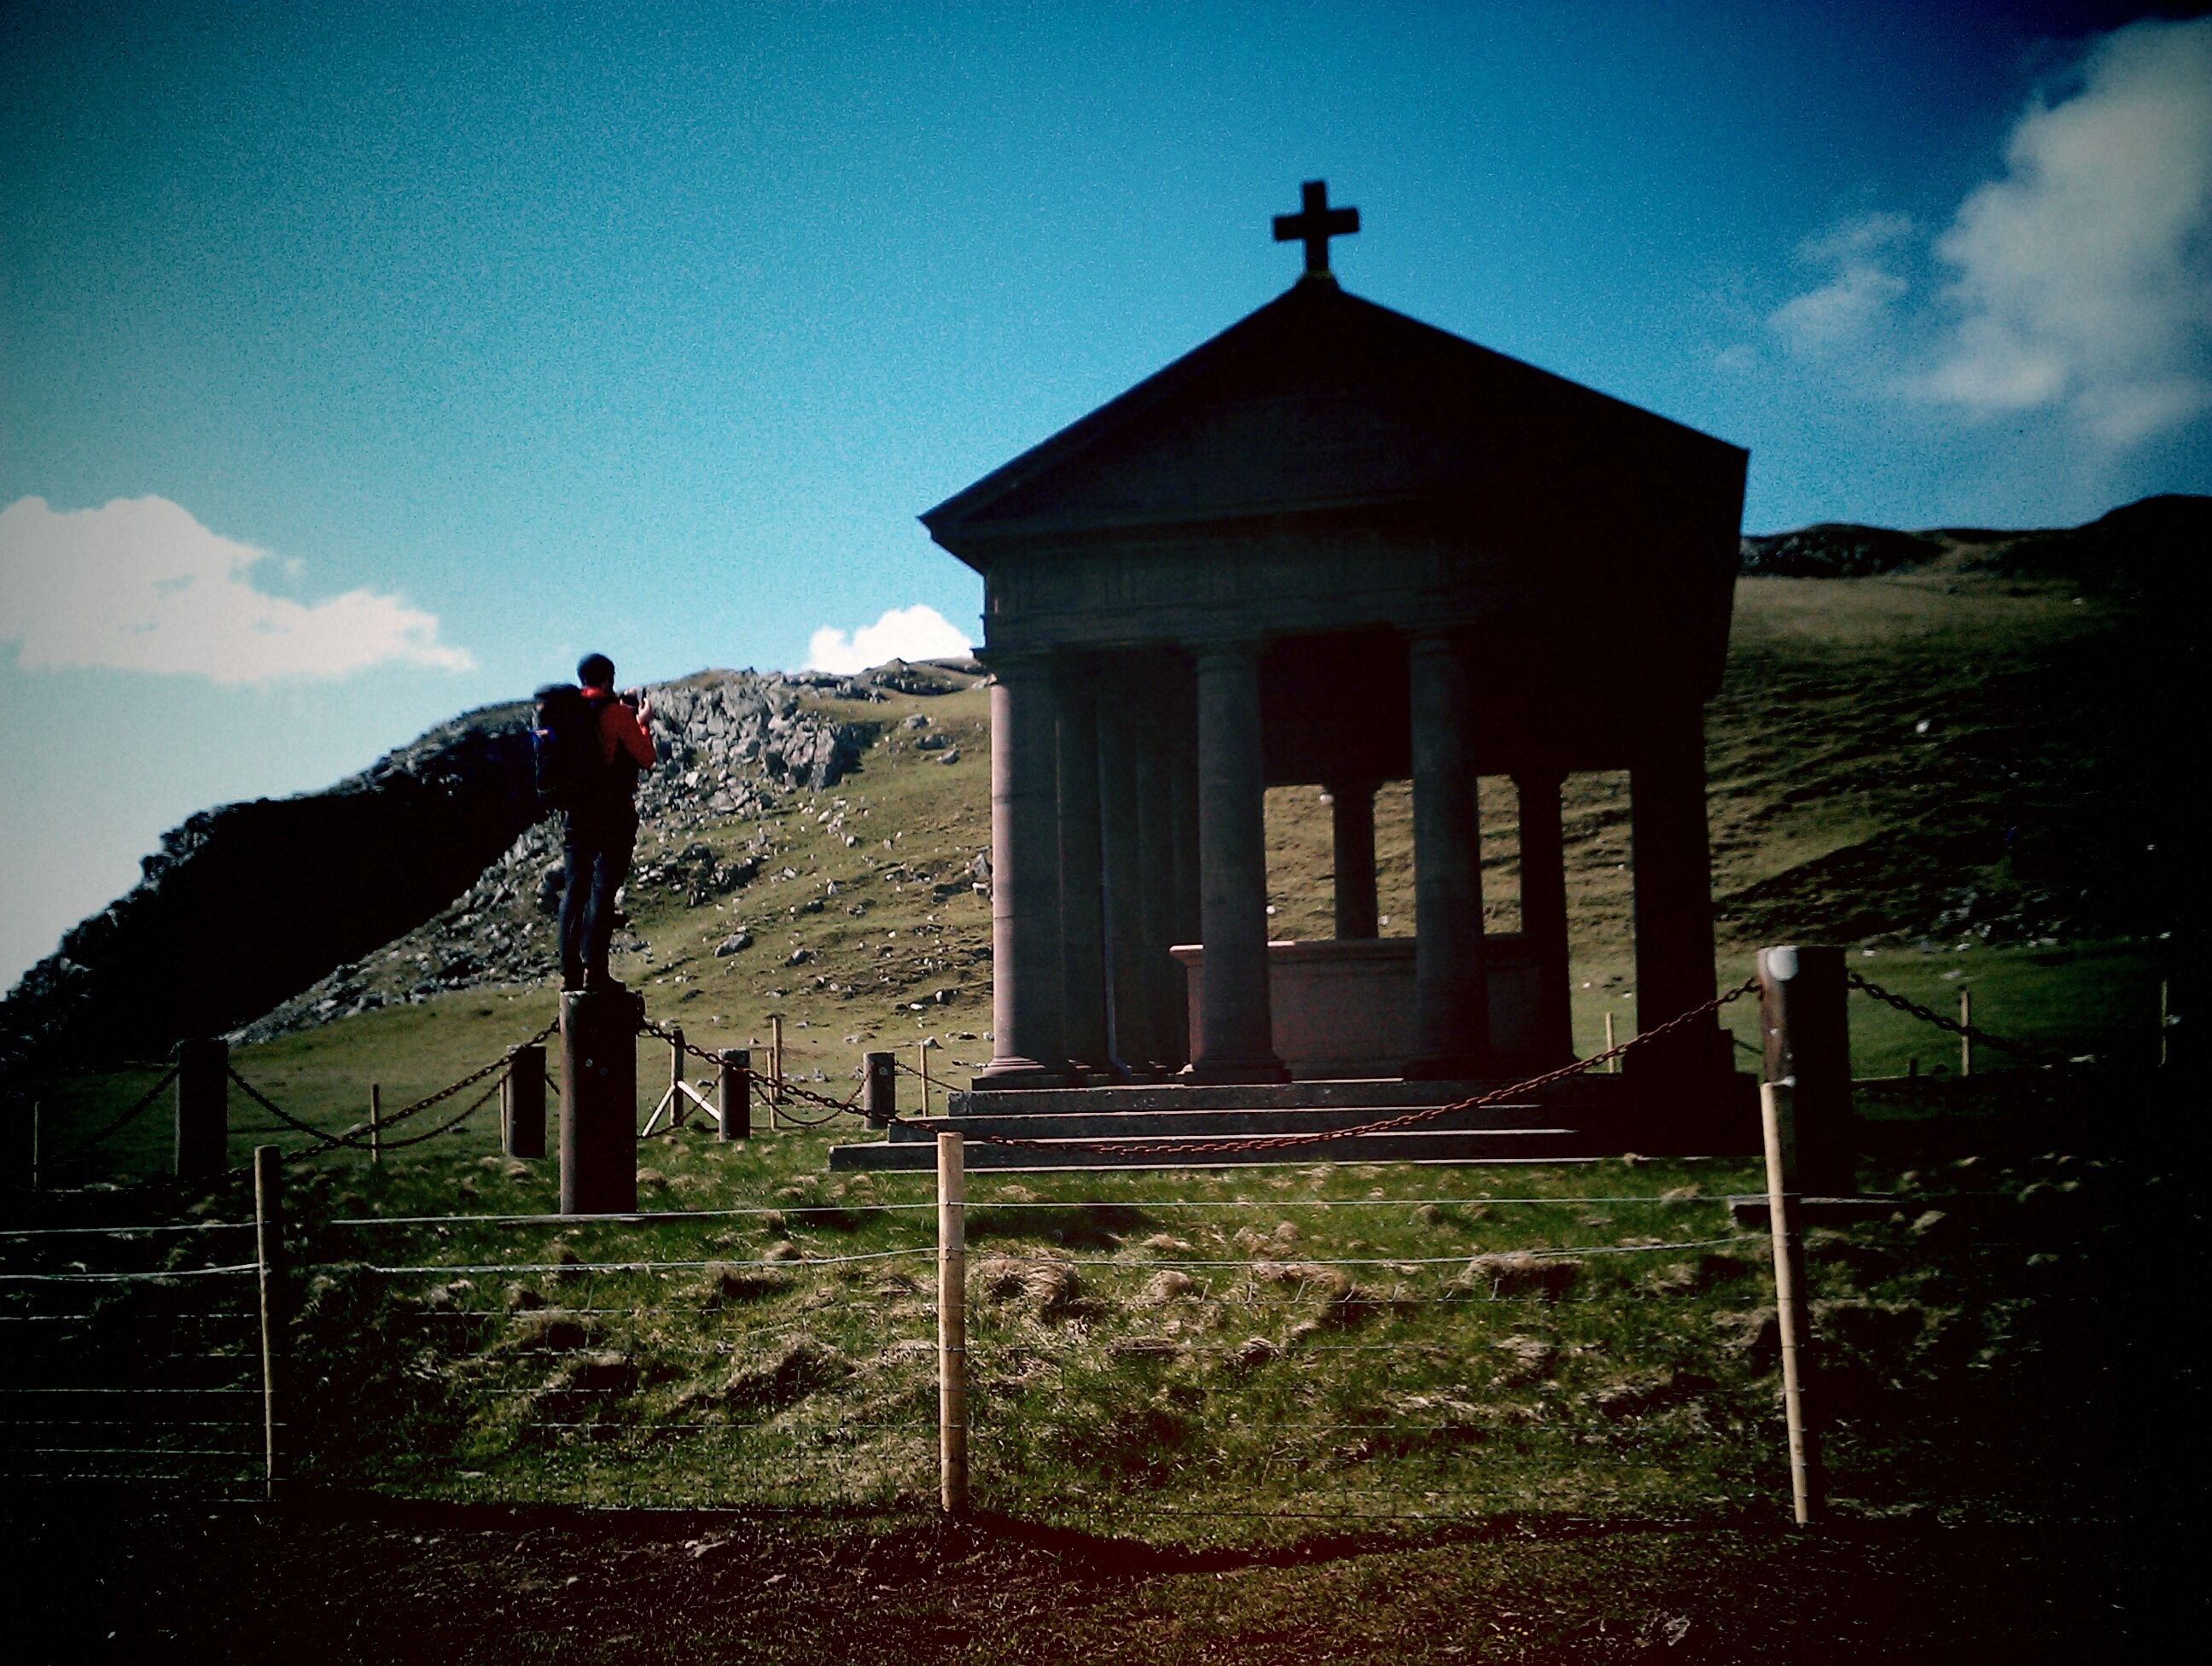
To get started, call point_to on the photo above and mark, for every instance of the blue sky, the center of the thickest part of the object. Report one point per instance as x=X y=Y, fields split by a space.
x=361 y=364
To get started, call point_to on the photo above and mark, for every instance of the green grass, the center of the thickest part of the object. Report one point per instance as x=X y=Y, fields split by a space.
x=1111 y=1393
x=1168 y=1356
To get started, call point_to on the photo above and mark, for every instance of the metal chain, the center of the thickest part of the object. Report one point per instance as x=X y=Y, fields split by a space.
x=1928 y=1015
x=349 y=1137
x=779 y=1085
x=1387 y=1125
x=86 y=1144
x=443 y=1093
x=331 y=1141
x=669 y=1036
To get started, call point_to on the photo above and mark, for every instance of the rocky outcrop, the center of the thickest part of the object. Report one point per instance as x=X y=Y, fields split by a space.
x=247 y=905
x=1836 y=549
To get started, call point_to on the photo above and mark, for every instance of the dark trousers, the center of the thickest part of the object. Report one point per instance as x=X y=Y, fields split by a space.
x=596 y=853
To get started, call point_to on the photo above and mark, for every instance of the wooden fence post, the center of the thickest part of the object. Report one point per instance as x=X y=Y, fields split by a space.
x=733 y=1093
x=376 y=1121
x=599 y=1101
x=522 y=1101
x=677 y=1107
x=1965 y=1043
x=1612 y=1065
x=202 y=1107
x=880 y=1098
x=952 y=1327
x=775 y=1068
x=269 y=1246
x=1806 y=1025
x=921 y=1063
x=1788 y=1270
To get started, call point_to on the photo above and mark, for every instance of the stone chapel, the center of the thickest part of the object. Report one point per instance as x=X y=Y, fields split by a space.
x=1334 y=545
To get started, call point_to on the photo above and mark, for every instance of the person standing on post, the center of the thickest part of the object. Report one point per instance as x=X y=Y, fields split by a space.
x=601 y=825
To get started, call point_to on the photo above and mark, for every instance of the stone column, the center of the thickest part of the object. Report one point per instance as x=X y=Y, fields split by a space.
x=1450 y=973
x=1351 y=820
x=1673 y=874
x=1186 y=924
x=1082 y=875
x=1156 y=881
x=1029 y=1027
x=1238 y=1041
x=1544 y=908
x=1118 y=823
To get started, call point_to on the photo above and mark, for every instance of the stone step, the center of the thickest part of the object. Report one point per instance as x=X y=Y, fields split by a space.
x=1530 y=1145
x=1369 y=1092
x=1216 y=1124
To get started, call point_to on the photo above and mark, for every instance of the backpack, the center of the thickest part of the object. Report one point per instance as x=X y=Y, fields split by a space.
x=564 y=744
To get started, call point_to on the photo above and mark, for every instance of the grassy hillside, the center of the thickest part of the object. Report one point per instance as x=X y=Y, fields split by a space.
x=1939 y=766
x=1305 y=1342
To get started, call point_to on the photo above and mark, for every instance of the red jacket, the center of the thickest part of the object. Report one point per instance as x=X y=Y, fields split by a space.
x=620 y=732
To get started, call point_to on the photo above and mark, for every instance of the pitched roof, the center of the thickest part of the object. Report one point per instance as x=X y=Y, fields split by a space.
x=1320 y=400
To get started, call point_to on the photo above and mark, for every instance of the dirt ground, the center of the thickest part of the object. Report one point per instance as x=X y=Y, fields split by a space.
x=333 y=1581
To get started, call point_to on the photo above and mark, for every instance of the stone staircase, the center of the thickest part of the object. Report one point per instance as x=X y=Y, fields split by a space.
x=1141 y=1127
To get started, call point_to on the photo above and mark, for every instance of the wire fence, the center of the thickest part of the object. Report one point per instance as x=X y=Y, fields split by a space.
x=112 y=1368
x=1189 y=1366
x=1187 y=1373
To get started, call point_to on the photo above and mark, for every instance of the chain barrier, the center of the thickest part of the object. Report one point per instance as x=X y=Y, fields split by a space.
x=1387 y=1125
x=1912 y=1008
x=348 y=1142
x=779 y=1085
x=136 y=1110
x=350 y=1139
x=475 y=1076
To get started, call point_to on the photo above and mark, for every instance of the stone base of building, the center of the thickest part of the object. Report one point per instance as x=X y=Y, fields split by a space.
x=1141 y=1127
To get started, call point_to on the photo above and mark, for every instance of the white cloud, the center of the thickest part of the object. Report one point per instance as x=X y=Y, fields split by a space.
x=2084 y=276
x=903 y=633
x=139 y=585
x=1845 y=309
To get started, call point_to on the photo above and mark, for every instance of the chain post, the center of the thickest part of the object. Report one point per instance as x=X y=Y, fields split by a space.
x=879 y=1103
x=1805 y=1024
x=202 y=1107
x=774 y=1069
x=734 y=1094
x=522 y=1101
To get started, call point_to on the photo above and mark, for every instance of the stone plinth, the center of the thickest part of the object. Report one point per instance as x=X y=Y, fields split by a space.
x=1346 y=1008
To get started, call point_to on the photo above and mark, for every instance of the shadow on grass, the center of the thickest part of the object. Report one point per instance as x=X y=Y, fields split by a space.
x=1077 y=1226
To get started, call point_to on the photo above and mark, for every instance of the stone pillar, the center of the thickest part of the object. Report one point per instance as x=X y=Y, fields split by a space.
x=599 y=1101
x=1081 y=877
x=1155 y=882
x=1351 y=819
x=1125 y=926
x=1451 y=975
x=1544 y=910
x=203 y=1121
x=1803 y=995
x=1238 y=1041
x=1029 y=1027
x=1186 y=924
x=1673 y=874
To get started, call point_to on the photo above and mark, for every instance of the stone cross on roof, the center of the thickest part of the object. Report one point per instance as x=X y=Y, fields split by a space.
x=1314 y=225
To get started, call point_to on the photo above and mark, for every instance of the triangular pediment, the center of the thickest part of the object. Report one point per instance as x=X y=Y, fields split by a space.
x=1321 y=401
